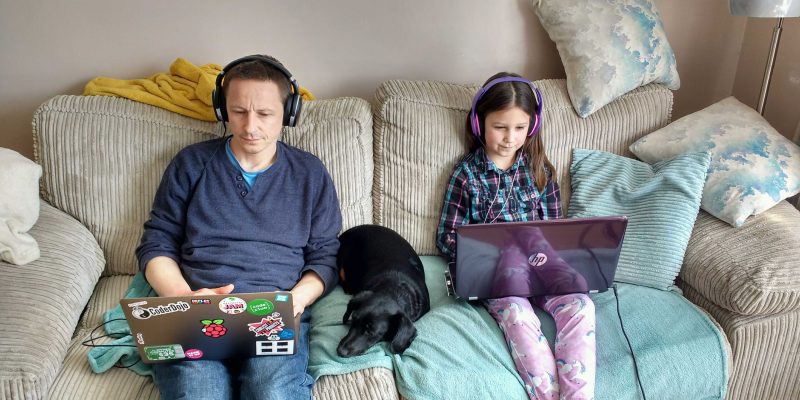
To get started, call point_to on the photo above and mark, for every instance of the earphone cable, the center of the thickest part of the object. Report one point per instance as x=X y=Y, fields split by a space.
x=633 y=355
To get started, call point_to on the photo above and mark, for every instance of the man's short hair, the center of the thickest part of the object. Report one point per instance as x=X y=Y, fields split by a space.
x=261 y=71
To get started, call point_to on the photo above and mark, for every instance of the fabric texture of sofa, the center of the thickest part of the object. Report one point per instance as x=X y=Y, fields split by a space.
x=102 y=159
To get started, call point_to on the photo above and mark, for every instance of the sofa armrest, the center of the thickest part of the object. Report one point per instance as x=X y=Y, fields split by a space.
x=42 y=301
x=750 y=270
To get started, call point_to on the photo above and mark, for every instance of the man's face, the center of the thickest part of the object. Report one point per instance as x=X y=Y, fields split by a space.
x=255 y=114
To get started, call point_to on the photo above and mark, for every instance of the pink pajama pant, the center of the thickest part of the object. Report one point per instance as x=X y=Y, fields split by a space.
x=570 y=373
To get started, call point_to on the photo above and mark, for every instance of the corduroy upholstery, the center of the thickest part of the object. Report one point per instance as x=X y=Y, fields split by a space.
x=103 y=158
x=419 y=138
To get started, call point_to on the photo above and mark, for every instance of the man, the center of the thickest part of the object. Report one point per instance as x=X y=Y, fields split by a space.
x=244 y=213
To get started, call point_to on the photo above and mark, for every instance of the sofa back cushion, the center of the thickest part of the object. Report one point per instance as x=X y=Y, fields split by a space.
x=419 y=138
x=103 y=157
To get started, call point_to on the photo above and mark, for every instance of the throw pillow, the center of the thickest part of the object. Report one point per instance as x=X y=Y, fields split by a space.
x=608 y=48
x=19 y=207
x=753 y=167
x=661 y=202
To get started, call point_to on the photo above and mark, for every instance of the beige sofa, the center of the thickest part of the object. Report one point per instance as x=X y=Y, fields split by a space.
x=103 y=157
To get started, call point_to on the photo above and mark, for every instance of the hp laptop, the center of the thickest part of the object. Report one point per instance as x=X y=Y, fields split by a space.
x=525 y=259
x=212 y=327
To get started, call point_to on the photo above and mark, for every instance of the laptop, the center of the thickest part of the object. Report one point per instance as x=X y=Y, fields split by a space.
x=212 y=327
x=525 y=259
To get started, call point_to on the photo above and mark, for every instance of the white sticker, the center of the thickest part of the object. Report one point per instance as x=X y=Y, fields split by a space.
x=232 y=305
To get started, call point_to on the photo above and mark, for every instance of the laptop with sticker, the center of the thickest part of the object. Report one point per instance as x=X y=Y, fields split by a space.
x=212 y=327
x=535 y=258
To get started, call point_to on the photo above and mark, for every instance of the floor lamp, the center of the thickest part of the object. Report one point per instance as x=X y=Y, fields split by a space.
x=767 y=9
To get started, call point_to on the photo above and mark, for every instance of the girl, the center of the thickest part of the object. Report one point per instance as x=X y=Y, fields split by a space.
x=507 y=177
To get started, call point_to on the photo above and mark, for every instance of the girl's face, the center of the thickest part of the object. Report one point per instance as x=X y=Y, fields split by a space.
x=506 y=131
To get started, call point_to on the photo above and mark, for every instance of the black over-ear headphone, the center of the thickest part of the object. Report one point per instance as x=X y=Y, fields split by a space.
x=294 y=101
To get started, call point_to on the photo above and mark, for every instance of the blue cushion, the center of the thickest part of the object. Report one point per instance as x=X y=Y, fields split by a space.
x=460 y=353
x=661 y=202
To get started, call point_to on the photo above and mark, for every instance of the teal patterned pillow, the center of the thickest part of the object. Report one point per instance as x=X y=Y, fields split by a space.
x=660 y=200
x=753 y=167
x=608 y=48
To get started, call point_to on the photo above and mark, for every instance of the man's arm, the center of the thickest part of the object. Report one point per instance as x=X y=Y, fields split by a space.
x=307 y=290
x=323 y=242
x=164 y=275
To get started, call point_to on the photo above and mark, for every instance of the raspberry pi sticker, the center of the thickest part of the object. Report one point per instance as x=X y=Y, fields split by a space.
x=213 y=328
x=232 y=305
x=166 y=352
x=267 y=326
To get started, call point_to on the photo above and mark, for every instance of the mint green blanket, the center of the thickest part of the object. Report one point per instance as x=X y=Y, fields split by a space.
x=460 y=352
x=121 y=351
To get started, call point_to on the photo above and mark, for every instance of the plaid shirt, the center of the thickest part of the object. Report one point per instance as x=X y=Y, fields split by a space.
x=478 y=192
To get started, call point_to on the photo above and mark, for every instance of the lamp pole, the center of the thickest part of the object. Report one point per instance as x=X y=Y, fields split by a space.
x=773 y=50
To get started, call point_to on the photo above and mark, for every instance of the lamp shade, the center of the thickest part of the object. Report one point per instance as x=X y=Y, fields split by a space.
x=765 y=8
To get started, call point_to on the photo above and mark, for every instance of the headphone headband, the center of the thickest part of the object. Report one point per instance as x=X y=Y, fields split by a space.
x=537 y=98
x=293 y=99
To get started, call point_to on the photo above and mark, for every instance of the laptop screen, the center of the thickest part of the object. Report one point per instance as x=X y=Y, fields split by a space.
x=534 y=258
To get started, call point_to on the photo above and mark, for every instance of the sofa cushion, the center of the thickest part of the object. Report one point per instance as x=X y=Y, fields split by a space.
x=419 y=137
x=766 y=365
x=42 y=302
x=103 y=158
x=753 y=167
x=661 y=202
x=460 y=353
x=750 y=270
x=608 y=48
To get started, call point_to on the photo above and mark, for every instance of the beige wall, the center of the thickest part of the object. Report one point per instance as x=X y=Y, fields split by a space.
x=335 y=48
x=782 y=108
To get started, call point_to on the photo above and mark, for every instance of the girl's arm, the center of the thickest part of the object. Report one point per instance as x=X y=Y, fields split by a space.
x=550 y=205
x=455 y=212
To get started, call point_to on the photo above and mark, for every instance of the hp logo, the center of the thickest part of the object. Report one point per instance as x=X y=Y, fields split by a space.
x=537 y=260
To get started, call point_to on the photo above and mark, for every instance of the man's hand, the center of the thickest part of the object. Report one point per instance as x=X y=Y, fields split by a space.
x=165 y=277
x=211 y=291
x=306 y=291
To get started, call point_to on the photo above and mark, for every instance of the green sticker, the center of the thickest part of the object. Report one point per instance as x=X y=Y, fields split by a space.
x=260 y=307
x=167 y=352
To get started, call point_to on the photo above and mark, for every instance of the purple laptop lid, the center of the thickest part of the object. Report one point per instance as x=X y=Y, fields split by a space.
x=525 y=259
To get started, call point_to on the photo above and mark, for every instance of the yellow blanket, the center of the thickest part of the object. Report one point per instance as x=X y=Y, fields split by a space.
x=185 y=89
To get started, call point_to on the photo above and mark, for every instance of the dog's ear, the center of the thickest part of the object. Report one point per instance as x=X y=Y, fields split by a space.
x=404 y=335
x=354 y=303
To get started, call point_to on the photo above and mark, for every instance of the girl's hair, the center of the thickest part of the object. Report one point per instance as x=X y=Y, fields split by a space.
x=503 y=96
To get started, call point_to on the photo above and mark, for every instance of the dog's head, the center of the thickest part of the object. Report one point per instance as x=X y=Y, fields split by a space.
x=374 y=318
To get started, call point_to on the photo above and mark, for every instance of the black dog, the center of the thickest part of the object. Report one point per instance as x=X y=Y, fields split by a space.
x=385 y=275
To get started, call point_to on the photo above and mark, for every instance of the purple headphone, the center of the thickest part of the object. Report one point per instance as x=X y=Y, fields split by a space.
x=537 y=114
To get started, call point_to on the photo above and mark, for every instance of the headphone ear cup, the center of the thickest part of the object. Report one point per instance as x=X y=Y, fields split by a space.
x=218 y=102
x=475 y=123
x=292 y=110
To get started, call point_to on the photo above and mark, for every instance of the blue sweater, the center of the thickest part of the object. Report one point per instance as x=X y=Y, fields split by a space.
x=261 y=239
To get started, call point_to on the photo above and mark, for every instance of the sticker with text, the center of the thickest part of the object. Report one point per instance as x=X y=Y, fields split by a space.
x=201 y=301
x=147 y=312
x=281 y=297
x=267 y=326
x=260 y=307
x=166 y=352
x=194 y=354
x=232 y=305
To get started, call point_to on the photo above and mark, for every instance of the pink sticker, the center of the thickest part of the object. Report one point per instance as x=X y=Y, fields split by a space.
x=193 y=353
